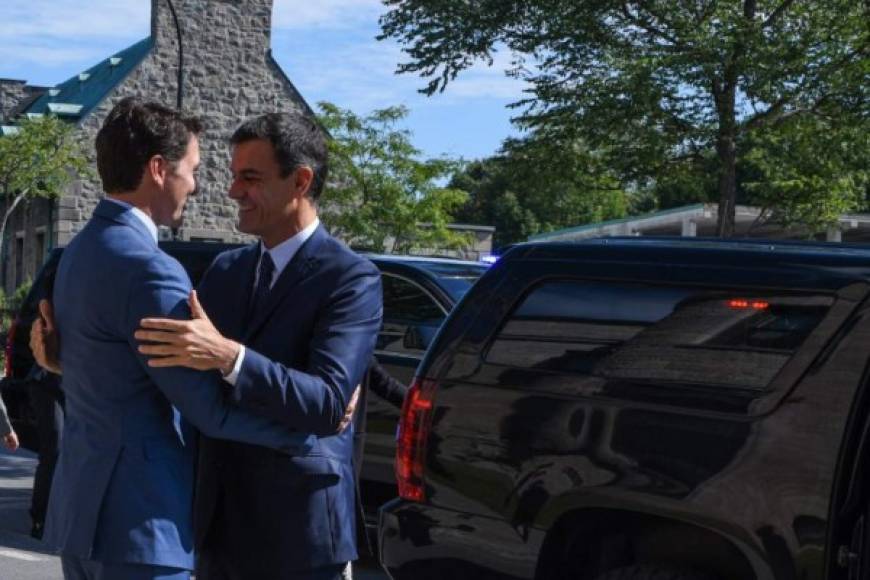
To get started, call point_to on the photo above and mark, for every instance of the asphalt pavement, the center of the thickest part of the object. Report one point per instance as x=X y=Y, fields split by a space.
x=22 y=557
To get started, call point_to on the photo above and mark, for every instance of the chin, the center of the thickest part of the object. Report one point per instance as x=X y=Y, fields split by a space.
x=245 y=228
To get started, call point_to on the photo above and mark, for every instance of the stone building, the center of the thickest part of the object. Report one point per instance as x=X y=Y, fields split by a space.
x=229 y=74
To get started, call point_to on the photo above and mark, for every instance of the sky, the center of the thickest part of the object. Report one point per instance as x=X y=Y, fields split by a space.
x=326 y=47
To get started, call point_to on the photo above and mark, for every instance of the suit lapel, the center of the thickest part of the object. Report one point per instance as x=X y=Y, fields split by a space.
x=236 y=308
x=303 y=264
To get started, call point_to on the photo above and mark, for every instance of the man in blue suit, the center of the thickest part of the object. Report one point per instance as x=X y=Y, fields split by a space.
x=120 y=508
x=295 y=318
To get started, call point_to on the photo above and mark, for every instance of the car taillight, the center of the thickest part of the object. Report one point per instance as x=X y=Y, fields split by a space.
x=10 y=337
x=413 y=432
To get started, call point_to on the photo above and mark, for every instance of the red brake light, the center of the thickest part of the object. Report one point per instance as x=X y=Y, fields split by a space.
x=10 y=337
x=741 y=304
x=413 y=432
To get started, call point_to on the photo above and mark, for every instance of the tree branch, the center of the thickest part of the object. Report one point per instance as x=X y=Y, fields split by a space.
x=777 y=13
x=648 y=26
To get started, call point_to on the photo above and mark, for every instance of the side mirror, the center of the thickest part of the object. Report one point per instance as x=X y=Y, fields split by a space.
x=413 y=339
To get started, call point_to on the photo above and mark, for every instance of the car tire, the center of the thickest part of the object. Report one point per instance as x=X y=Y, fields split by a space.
x=653 y=573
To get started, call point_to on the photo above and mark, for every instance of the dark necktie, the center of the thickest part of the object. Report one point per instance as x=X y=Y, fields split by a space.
x=264 y=281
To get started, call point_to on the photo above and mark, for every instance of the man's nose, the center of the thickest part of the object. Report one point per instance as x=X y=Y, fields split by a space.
x=235 y=191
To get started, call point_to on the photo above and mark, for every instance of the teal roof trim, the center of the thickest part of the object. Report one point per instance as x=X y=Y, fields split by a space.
x=84 y=91
x=548 y=235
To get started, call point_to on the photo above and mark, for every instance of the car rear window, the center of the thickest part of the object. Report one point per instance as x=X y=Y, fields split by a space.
x=455 y=279
x=656 y=334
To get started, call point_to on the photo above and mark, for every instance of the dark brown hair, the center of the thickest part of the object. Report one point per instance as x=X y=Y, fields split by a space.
x=297 y=141
x=134 y=132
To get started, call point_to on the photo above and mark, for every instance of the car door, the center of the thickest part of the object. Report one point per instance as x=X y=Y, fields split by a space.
x=412 y=316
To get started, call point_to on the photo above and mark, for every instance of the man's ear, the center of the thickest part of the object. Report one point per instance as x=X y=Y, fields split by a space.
x=156 y=169
x=303 y=177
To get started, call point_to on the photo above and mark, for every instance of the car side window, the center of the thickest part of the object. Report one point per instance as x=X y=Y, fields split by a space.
x=621 y=334
x=411 y=317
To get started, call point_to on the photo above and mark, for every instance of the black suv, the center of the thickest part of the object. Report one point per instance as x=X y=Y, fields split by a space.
x=418 y=294
x=643 y=409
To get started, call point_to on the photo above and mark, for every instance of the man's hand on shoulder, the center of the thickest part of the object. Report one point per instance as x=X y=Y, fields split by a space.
x=44 y=342
x=194 y=343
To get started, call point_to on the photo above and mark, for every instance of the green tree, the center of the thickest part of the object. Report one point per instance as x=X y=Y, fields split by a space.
x=381 y=195
x=654 y=84
x=809 y=172
x=537 y=184
x=38 y=160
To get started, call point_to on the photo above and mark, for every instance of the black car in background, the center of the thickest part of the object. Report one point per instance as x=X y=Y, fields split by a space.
x=418 y=294
x=643 y=409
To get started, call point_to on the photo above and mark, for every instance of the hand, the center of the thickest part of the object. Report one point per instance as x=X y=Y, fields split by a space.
x=10 y=441
x=194 y=343
x=44 y=341
x=351 y=409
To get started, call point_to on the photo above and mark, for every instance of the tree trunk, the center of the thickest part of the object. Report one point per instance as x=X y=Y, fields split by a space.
x=15 y=201
x=725 y=94
x=727 y=150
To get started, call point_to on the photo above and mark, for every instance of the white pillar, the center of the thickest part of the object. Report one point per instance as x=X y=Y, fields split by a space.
x=690 y=229
x=834 y=234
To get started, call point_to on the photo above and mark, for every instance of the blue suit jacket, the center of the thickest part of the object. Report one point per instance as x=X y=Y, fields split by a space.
x=123 y=487
x=306 y=352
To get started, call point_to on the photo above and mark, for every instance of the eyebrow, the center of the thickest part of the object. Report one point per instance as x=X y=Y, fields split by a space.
x=247 y=173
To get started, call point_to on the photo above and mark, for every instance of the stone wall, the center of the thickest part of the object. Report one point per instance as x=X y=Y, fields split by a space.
x=229 y=75
x=12 y=92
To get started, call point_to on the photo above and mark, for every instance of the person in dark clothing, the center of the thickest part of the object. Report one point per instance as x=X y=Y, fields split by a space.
x=46 y=401
x=381 y=383
x=8 y=437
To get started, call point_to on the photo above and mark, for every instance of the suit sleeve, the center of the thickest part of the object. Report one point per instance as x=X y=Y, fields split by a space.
x=314 y=399
x=162 y=290
x=5 y=425
x=385 y=386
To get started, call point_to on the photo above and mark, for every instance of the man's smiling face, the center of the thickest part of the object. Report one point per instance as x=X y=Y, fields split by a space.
x=265 y=198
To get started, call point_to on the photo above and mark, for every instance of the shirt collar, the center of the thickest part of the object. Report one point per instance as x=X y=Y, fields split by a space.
x=141 y=215
x=282 y=253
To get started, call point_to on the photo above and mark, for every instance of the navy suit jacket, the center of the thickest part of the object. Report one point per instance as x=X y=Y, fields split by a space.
x=306 y=352
x=123 y=486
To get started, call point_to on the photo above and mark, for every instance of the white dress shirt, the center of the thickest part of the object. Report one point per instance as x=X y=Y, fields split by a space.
x=281 y=255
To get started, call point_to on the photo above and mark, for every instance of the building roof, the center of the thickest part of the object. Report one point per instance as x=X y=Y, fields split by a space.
x=74 y=98
x=700 y=220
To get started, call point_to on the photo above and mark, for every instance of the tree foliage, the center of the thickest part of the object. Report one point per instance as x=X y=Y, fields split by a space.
x=536 y=185
x=38 y=160
x=809 y=172
x=661 y=89
x=381 y=196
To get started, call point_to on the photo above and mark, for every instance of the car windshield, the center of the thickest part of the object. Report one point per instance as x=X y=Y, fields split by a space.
x=455 y=279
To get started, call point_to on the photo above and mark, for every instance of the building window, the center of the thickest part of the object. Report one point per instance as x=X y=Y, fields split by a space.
x=18 y=259
x=39 y=249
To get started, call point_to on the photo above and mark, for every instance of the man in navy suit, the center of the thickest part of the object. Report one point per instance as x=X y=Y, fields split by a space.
x=120 y=508
x=294 y=317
